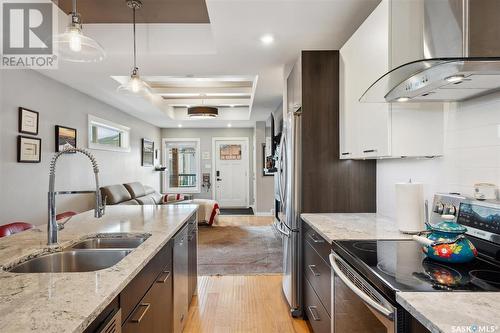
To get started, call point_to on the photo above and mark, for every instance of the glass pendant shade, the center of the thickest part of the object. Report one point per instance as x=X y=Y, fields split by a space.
x=74 y=46
x=135 y=86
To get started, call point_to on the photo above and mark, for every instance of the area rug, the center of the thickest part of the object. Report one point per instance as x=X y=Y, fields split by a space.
x=236 y=211
x=234 y=250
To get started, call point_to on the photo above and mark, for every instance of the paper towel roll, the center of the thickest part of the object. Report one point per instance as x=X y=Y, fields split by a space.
x=410 y=207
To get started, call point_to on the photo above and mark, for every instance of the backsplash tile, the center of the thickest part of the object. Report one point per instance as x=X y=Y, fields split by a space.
x=472 y=155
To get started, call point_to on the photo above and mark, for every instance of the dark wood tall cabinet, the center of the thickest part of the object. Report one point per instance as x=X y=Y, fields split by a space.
x=329 y=184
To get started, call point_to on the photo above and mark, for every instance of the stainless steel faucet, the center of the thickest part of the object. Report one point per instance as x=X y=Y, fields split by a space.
x=52 y=227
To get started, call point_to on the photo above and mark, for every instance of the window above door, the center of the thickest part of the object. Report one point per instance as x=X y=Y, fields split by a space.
x=182 y=161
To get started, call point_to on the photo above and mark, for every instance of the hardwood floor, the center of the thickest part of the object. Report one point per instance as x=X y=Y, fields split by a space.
x=245 y=304
x=250 y=220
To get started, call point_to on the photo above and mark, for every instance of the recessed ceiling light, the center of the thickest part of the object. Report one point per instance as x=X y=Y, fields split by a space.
x=267 y=39
x=229 y=125
x=403 y=99
x=180 y=125
x=455 y=78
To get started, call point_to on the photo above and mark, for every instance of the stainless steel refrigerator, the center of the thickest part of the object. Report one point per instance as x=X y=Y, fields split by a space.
x=288 y=217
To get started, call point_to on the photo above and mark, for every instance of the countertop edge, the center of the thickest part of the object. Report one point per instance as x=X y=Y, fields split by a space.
x=86 y=323
x=417 y=315
x=306 y=218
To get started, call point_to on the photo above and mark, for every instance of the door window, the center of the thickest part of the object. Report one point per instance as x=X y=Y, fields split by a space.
x=183 y=166
x=230 y=152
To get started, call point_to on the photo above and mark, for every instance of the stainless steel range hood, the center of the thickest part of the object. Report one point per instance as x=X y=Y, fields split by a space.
x=458 y=54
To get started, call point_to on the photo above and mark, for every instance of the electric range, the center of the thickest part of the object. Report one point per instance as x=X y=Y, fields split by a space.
x=369 y=273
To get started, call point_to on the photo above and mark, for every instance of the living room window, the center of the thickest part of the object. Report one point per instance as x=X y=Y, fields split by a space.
x=106 y=135
x=182 y=159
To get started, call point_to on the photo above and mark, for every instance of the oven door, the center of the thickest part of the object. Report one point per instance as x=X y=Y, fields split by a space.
x=357 y=307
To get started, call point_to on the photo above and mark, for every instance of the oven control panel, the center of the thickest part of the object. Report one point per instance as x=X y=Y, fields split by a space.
x=482 y=218
x=445 y=204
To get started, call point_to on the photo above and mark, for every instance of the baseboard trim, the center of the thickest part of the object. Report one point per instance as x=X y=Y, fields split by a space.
x=263 y=214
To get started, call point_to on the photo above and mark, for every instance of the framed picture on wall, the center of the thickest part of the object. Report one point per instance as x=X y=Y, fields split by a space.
x=29 y=150
x=265 y=166
x=65 y=138
x=28 y=121
x=148 y=152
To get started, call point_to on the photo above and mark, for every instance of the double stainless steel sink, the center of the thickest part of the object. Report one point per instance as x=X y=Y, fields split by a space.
x=89 y=255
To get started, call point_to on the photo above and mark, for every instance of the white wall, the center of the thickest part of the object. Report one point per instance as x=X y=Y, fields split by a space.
x=472 y=155
x=264 y=184
x=206 y=135
x=24 y=186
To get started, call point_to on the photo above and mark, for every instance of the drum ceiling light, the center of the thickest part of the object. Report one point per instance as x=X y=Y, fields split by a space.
x=202 y=112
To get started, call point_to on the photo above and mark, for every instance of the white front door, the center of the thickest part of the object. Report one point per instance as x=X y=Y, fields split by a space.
x=231 y=173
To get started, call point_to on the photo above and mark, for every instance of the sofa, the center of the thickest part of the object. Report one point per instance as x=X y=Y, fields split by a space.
x=135 y=194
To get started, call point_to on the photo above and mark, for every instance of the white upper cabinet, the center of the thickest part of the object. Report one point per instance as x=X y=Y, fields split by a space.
x=382 y=130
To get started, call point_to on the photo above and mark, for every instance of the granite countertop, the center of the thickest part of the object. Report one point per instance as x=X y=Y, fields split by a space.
x=69 y=302
x=336 y=226
x=444 y=312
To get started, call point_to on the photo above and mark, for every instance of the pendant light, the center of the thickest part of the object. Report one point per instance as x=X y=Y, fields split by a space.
x=135 y=85
x=202 y=112
x=74 y=46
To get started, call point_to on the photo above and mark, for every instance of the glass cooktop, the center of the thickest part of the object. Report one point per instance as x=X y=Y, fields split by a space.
x=400 y=265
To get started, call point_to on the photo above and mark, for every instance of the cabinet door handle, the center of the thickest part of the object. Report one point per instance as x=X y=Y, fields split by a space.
x=316 y=239
x=163 y=277
x=313 y=269
x=370 y=151
x=314 y=313
x=145 y=307
x=345 y=154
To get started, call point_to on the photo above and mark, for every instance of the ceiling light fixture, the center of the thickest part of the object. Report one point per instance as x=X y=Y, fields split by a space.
x=455 y=78
x=74 y=46
x=135 y=85
x=403 y=99
x=202 y=112
x=229 y=125
x=267 y=39
x=180 y=125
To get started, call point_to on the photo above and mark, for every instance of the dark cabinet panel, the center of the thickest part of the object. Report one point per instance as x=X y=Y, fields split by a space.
x=317 y=279
x=314 y=310
x=192 y=261
x=137 y=288
x=163 y=307
x=318 y=243
x=153 y=313
x=329 y=185
x=181 y=279
x=142 y=318
x=318 y=273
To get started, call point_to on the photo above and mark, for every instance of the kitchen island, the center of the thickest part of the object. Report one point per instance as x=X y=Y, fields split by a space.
x=70 y=302
x=445 y=312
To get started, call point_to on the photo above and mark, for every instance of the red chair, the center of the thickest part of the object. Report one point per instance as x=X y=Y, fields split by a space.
x=14 y=228
x=64 y=215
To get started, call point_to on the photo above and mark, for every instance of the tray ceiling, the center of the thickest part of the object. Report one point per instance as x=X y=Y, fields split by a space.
x=153 y=11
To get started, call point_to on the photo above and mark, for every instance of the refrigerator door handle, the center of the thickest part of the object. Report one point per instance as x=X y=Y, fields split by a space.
x=283 y=170
x=284 y=232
